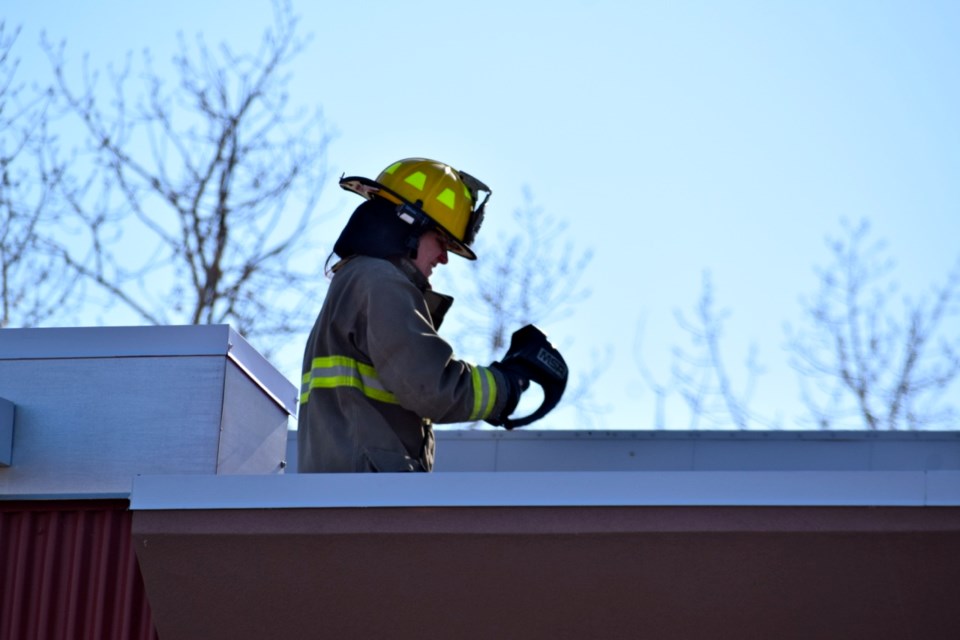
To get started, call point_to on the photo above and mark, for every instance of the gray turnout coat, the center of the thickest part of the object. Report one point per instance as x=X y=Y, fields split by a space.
x=376 y=375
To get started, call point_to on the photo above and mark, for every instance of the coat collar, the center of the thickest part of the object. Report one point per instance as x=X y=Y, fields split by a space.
x=437 y=303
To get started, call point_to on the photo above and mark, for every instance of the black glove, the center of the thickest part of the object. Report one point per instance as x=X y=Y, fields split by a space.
x=517 y=383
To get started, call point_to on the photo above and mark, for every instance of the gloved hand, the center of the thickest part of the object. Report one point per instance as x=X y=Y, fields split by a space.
x=517 y=383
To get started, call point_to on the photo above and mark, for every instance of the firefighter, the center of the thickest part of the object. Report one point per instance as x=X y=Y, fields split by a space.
x=376 y=373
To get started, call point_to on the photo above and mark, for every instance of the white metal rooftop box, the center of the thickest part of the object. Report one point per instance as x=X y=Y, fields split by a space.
x=93 y=407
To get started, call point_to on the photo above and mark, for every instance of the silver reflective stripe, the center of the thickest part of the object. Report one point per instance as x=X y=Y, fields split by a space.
x=331 y=372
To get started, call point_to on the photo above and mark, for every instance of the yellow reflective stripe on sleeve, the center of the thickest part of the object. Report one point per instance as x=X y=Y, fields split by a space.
x=492 y=398
x=331 y=372
x=484 y=392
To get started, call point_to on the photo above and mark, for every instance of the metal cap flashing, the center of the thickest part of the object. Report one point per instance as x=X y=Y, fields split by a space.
x=167 y=340
x=541 y=489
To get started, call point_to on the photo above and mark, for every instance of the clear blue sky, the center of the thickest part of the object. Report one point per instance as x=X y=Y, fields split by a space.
x=672 y=136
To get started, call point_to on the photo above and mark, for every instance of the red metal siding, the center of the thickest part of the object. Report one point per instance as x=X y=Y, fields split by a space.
x=68 y=570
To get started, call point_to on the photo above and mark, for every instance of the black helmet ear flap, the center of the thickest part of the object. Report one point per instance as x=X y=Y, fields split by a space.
x=376 y=229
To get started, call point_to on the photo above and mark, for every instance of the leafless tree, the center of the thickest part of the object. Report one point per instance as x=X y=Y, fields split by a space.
x=863 y=360
x=700 y=375
x=203 y=193
x=34 y=284
x=532 y=274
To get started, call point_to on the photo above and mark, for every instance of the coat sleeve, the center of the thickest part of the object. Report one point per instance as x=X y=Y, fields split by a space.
x=417 y=365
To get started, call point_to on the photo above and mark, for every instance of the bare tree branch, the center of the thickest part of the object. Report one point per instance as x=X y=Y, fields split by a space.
x=34 y=285
x=700 y=376
x=858 y=363
x=206 y=178
x=703 y=374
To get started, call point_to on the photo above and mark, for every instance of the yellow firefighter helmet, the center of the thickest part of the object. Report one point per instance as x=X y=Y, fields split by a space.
x=430 y=194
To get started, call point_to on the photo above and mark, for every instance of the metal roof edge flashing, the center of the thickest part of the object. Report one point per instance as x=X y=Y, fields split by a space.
x=113 y=342
x=557 y=489
x=262 y=373
x=50 y=343
x=7 y=412
x=615 y=434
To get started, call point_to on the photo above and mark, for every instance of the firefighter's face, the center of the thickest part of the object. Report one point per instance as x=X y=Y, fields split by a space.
x=431 y=252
